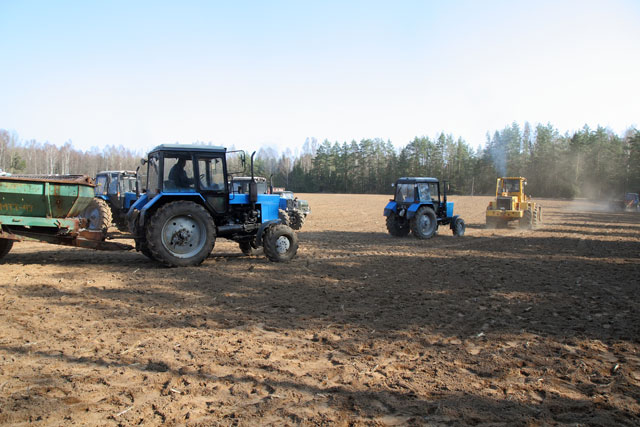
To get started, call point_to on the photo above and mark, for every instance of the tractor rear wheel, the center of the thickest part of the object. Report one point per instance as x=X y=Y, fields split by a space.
x=459 y=227
x=98 y=215
x=397 y=226
x=527 y=219
x=5 y=246
x=280 y=243
x=424 y=223
x=181 y=234
x=296 y=219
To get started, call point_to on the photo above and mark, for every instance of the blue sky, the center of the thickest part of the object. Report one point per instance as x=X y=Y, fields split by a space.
x=252 y=74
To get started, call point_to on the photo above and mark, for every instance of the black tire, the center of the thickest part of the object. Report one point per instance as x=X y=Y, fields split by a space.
x=397 y=226
x=5 y=247
x=248 y=248
x=98 y=213
x=527 y=219
x=181 y=234
x=459 y=227
x=144 y=248
x=424 y=224
x=280 y=243
x=284 y=217
x=296 y=220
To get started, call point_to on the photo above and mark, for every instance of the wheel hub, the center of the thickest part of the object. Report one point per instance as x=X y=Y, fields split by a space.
x=183 y=236
x=282 y=245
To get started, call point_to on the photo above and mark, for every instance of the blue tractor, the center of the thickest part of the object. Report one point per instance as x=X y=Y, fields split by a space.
x=188 y=204
x=419 y=207
x=119 y=189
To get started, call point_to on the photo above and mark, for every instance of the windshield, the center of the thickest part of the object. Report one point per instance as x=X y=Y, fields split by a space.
x=101 y=184
x=405 y=193
x=153 y=175
x=128 y=184
x=510 y=186
x=287 y=195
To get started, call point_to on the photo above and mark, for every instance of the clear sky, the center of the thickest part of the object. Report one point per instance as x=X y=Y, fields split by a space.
x=273 y=73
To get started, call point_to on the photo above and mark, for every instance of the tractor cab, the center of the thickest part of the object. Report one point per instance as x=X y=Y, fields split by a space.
x=118 y=188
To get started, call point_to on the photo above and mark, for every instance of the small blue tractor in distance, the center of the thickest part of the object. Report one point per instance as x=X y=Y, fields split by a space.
x=420 y=208
x=188 y=203
x=119 y=189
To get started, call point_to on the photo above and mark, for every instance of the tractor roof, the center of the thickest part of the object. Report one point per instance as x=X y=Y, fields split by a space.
x=190 y=147
x=415 y=179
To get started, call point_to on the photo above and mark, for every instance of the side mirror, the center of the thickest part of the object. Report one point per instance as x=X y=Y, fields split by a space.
x=143 y=162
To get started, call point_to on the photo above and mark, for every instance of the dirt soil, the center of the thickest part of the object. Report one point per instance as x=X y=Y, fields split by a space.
x=500 y=327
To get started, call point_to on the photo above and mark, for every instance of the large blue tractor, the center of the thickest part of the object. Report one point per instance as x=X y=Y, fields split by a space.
x=419 y=207
x=188 y=204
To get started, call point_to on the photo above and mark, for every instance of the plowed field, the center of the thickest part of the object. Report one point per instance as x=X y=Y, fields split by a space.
x=500 y=327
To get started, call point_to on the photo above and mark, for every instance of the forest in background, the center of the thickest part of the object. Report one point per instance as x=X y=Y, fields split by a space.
x=592 y=163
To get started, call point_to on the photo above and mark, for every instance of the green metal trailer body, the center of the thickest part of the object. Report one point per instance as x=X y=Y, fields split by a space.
x=49 y=209
x=43 y=198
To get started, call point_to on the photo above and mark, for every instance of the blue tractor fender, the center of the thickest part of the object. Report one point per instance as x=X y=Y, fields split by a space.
x=391 y=207
x=411 y=212
x=144 y=207
x=103 y=197
x=263 y=226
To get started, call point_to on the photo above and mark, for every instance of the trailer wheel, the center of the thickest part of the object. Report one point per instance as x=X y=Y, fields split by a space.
x=280 y=243
x=5 y=246
x=397 y=226
x=98 y=214
x=181 y=234
x=296 y=220
x=424 y=223
x=459 y=227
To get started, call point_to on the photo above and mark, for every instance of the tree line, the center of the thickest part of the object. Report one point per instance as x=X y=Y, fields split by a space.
x=594 y=163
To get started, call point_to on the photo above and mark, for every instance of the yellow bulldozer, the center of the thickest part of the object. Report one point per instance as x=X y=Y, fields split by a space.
x=513 y=204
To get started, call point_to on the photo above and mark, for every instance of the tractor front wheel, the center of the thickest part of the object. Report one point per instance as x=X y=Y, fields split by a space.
x=280 y=243
x=5 y=246
x=296 y=219
x=284 y=217
x=459 y=227
x=424 y=224
x=181 y=234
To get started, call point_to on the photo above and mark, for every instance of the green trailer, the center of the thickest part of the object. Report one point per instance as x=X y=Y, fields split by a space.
x=54 y=209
